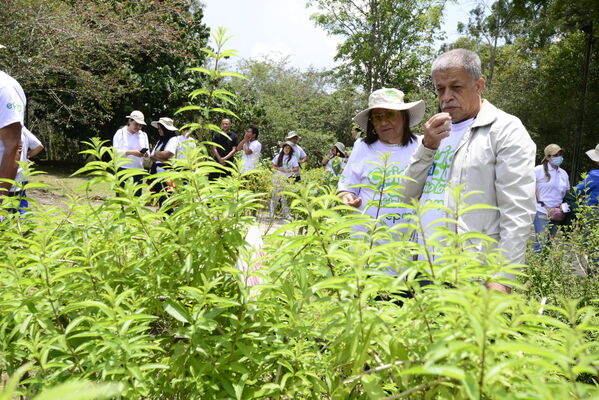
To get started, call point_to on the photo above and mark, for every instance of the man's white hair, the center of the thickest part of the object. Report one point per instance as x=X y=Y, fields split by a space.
x=458 y=58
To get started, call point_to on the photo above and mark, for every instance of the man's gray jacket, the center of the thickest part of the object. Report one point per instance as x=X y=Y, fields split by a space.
x=496 y=156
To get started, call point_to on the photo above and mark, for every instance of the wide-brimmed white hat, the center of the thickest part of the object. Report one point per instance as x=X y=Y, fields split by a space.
x=137 y=116
x=291 y=135
x=166 y=122
x=391 y=99
x=2 y=47
x=341 y=147
x=594 y=154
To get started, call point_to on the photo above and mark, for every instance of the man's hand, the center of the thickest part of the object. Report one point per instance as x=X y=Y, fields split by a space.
x=499 y=287
x=436 y=129
x=351 y=199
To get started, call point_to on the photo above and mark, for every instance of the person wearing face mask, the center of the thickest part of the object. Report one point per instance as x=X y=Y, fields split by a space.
x=552 y=184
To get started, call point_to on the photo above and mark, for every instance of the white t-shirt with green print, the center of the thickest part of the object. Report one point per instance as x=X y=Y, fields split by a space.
x=365 y=166
x=436 y=182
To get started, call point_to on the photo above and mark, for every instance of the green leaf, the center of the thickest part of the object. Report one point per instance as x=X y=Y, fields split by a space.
x=177 y=311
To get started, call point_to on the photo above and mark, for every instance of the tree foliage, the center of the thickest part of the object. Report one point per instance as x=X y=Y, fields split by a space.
x=85 y=64
x=279 y=98
x=386 y=42
x=546 y=71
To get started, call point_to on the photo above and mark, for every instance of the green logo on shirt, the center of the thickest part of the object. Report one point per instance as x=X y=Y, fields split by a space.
x=15 y=106
x=439 y=172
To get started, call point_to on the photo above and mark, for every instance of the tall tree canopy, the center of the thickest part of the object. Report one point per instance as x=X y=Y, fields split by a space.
x=386 y=42
x=546 y=70
x=84 y=64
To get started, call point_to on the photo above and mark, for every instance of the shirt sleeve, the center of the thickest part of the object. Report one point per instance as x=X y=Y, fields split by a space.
x=118 y=142
x=32 y=141
x=255 y=146
x=12 y=106
x=171 y=145
x=350 y=175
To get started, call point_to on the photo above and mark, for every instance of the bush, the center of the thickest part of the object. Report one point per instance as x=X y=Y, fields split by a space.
x=119 y=293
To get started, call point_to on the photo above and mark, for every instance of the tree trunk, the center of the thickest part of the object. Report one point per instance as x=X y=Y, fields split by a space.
x=577 y=153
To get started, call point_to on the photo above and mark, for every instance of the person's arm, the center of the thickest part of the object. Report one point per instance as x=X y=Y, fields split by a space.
x=348 y=194
x=10 y=136
x=169 y=150
x=435 y=130
x=326 y=158
x=515 y=186
x=35 y=152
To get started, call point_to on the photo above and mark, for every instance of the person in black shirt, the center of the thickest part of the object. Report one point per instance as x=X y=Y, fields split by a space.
x=226 y=149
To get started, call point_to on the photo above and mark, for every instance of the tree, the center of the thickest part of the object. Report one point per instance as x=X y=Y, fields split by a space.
x=84 y=64
x=491 y=23
x=387 y=42
x=278 y=98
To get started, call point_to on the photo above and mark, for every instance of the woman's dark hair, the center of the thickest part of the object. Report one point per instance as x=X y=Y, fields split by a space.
x=281 y=155
x=254 y=130
x=163 y=140
x=408 y=136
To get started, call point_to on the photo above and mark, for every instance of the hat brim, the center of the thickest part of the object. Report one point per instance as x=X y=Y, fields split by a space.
x=593 y=155
x=291 y=137
x=139 y=121
x=416 y=110
x=169 y=127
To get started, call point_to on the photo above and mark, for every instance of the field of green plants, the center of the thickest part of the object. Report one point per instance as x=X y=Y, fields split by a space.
x=116 y=300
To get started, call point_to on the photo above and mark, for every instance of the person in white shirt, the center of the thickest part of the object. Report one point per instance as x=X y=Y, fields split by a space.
x=132 y=143
x=298 y=152
x=251 y=147
x=165 y=149
x=552 y=185
x=379 y=159
x=12 y=113
x=29 y=146
x=285 y=165
x=335 y=160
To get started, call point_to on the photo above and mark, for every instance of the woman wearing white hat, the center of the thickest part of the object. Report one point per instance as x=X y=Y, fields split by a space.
x=335 y=160
x=132 y=142
x=552 y=185
x=165 y=149
x=389 y=143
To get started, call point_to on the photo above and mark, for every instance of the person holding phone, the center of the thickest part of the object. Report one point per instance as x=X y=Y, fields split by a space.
x=132 y=143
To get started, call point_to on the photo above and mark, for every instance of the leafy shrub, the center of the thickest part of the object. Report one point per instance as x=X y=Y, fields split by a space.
x=117 y=292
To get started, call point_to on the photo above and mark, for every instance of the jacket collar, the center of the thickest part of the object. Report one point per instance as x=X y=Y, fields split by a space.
x=486 y=116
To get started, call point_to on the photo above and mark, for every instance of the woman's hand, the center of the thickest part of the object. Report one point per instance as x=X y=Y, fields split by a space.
x=351 y=199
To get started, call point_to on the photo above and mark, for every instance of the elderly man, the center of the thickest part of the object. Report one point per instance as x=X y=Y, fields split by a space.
x=473 y=143
x=12 y=112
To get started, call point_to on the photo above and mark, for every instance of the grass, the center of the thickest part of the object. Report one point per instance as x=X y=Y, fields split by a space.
x=61 y=184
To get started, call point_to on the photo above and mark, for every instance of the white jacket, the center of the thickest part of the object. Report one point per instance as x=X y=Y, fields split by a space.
x=496 y=156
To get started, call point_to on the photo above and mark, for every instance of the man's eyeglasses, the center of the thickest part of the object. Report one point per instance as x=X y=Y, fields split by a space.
x=380 y=116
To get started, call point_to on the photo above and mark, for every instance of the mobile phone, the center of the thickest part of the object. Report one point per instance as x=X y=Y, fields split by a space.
x=143 y=151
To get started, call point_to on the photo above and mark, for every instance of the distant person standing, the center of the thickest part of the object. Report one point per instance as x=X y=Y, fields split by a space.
x=250 y=148
x=298 y=153
x=552 y=184
x=224 y=149
x=165 y=149
x=336 y=159
x=131 y=142
x=29 y=146
x=12 y=114
x=285 y=165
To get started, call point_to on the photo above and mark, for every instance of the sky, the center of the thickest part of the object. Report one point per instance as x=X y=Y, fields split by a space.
x=281 y=28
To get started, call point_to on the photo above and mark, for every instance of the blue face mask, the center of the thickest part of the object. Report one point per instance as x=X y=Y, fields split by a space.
x=557 y=161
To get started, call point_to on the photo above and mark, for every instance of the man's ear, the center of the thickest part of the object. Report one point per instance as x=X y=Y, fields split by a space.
x=480 y=85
